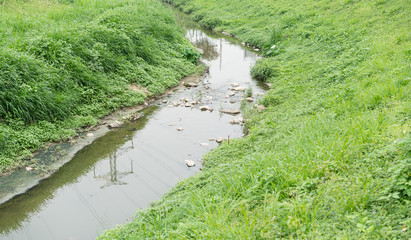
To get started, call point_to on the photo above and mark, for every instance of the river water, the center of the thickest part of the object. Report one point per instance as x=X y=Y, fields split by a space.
x=128 y=168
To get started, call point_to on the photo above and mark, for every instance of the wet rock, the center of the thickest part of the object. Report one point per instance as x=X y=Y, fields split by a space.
x=260 y=108
x=115 y=124
x=165 y=101
x=90 y=135
x=188 y=104
x=232 y=101
x=193 y=103
x=184 y=99
x=204 y=108
x=249 y=99
x=239 y=89
x=206 y=87
x=28 y=169
x=237 y=120
x=230 y=94
x=204 y=144
x=235 y=111
x=190 y=163
x=235 y=85
x=180 y=129
x=186 y=84
x=243 y=43
x=176 y=104
x=219 y=140
x=211 y=139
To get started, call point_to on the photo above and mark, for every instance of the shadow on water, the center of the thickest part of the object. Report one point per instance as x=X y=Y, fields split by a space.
x=14 y=212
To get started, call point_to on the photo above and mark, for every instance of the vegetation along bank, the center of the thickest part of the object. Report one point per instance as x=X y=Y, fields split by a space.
x=64 y=64
x=330 y=157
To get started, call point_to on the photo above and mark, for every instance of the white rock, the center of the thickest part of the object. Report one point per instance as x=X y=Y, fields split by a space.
x=115 y=124
x=235 y=111
x=239 y=88
x=165 y=101
x=260 y=108
x=190 y=163
x=249 y=99
x=29 y=169
x=204 y=144
x=234 y=121
x=235 y=85
x=184 y=99
x=219 y=140
x=188 y=104
x=180 y=129
x=90 y=135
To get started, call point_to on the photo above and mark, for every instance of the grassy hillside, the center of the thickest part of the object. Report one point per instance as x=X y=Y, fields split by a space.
x=330 y=157
x=63 y=64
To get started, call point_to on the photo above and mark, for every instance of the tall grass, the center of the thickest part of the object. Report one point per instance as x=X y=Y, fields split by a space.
x=330 y=157
x=69 y=62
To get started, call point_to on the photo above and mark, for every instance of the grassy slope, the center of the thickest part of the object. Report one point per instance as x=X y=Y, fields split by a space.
x=64 y=64
x=331 y=155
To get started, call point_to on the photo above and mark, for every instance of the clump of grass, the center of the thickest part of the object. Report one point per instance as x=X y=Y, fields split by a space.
x=61 y=60
x=329 y=157
x=249 y=92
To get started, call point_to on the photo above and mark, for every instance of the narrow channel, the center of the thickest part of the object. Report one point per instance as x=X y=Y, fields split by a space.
x=128 y=168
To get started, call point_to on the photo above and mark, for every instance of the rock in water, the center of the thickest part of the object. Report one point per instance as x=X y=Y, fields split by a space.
x=204 y=108
x=249 y=99
x=190 y=163
x=236 y=111
x=239 y=88
x=235 y=85
x=180 y=129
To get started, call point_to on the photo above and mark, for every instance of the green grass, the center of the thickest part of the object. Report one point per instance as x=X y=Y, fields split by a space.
x=64 y=64
x=330 y=157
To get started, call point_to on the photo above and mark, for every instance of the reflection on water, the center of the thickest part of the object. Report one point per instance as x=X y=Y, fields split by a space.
x=128 y=168
x=15 y=212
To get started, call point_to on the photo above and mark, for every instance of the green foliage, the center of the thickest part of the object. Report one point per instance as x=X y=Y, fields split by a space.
x=191 y=55
x=265 y=69
x=329 y=158
x=61 y=60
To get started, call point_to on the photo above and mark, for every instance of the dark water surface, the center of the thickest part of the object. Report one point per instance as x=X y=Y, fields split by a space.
x=128 y=168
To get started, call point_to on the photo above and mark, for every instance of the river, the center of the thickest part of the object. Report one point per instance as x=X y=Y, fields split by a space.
x=128 y=168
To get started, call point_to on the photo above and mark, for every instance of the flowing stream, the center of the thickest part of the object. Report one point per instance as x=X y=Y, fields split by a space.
x=128 y=168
